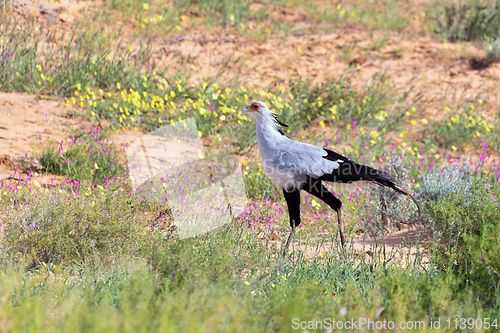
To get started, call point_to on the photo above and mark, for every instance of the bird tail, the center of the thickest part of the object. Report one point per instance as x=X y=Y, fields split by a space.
x=400 y=190
x=384 y=179
x=349 y=171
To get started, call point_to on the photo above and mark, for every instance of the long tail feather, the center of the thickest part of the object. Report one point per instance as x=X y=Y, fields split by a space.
x=400 y=190
x=349 y=171
x=384 y=179
x=390 y=183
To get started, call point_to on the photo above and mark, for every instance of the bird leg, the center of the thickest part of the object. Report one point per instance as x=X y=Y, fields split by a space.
x=341 y=227
x=292 y=198
x=316 y=188
x=285 y=250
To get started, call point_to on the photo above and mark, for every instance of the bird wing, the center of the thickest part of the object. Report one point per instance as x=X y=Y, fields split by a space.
x=350 y=171
x=304 y=159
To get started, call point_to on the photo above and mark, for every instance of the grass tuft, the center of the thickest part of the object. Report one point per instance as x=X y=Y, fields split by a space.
x=86 y=156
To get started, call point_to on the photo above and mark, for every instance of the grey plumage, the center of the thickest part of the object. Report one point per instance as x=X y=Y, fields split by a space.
x=287 y=162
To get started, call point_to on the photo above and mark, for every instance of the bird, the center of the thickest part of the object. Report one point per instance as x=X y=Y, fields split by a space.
x=293 y=166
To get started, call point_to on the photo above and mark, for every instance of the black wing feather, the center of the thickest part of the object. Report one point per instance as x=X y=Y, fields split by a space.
x=350 y=171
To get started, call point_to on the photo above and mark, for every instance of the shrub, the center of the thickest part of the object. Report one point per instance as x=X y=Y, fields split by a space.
x=453 y=179
x=491 y=46
x=468 y=20
x=467 y=235
x=470 y=125
x=64 y=227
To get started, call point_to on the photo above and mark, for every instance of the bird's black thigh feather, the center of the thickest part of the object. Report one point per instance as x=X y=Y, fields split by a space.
x=316 y=188
x=293 y=202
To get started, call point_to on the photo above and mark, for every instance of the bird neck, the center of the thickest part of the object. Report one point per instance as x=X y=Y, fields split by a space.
x=268 y=132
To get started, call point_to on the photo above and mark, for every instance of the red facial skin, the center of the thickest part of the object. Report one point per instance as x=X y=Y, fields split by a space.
x=255 y=107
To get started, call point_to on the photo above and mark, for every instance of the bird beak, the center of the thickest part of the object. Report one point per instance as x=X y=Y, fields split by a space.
x=245 y=109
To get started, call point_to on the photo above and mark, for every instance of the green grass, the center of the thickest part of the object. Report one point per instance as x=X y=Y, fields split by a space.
x=156 y=17
x=99 y=254
x=88 y=257
x=384 y=15
x=467 y=239
x=41 y=60
x=259 y=22
x=129 y=299
x=162 y=285
x=72 y=225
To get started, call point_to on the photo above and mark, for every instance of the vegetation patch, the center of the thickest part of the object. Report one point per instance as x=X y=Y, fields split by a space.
x=468 y=20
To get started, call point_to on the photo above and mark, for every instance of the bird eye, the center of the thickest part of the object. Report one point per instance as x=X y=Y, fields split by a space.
x=255 y=106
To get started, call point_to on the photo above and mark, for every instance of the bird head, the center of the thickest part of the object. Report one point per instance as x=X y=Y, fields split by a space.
x=257 y=110
x=260 y=112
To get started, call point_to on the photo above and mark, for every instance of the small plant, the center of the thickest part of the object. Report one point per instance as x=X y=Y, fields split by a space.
x=73 y=224
x=88 y=156
x=492 y=48
x=468 y=20
x=460 y=128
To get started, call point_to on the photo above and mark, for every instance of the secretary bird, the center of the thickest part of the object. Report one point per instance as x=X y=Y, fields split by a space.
x=293 y=166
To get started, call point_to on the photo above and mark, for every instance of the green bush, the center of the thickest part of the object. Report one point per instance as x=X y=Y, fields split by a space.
x=337 y=99
x=467 y=234
x=453 y=179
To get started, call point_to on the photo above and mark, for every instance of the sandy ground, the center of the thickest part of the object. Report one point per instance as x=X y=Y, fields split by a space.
x=26 y=125
x=411 y=58
x=400 y=247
